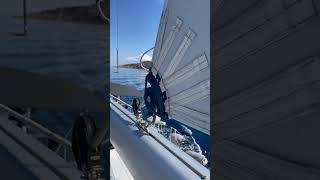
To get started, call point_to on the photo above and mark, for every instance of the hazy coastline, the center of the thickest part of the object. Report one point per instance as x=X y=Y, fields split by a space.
x=146 y=64
x=81 y=14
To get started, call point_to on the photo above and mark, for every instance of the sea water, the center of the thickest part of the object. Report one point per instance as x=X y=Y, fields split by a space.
x=70 y=51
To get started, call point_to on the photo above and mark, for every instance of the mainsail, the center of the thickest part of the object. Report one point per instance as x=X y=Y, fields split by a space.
x=266 y=89
x=181 y=58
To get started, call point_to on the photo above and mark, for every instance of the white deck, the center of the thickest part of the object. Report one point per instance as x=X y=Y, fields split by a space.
x=29 y=158
x=118 y=169
x=149 y=156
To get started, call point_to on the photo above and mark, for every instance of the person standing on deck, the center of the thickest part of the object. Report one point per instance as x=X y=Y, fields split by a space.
x=153 y=95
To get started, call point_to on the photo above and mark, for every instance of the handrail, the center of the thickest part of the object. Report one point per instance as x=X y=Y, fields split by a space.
x=142 y=57
x=118 y=99
x=66 y=136
x=37 y=126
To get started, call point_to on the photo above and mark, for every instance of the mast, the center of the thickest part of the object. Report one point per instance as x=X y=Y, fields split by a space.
x=25 y=17
x=117 y=62
x=117 y=36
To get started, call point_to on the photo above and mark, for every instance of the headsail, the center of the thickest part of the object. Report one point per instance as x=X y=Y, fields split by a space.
x=182 y=60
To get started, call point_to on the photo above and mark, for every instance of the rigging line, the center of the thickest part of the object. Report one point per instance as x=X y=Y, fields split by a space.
x=117 y=35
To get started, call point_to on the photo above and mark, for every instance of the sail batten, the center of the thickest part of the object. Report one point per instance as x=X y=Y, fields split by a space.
x=187 y=72
x=186 y=43
x=194 y=94
x=196 y=119
x=168 y=42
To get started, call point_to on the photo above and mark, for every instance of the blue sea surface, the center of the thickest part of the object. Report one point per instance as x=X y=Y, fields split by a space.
x=70 y=51
x=76 y=53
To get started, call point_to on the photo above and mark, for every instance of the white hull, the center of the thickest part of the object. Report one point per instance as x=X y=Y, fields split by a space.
x=149 y=156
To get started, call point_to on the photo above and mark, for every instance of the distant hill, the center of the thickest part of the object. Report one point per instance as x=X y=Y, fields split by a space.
x=81 y=14
x=146 y=64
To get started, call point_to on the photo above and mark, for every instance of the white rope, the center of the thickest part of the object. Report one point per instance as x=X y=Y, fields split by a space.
x=104 y=17
x=142 y=58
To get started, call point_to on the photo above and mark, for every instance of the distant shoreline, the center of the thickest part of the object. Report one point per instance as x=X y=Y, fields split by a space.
x=146 y=64
x=79 y=14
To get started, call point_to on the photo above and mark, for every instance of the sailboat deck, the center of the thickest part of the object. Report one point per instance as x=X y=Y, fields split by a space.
x=12 y=168
x=24 y=156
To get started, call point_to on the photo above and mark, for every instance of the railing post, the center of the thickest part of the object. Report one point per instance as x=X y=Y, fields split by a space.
x=25 y=29
x=65 y=153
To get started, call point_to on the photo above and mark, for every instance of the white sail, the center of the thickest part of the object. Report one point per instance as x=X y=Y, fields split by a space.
x=266 y=89
x=182 y=59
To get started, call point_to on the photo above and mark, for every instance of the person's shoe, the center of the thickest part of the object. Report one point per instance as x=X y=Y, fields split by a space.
x=146 y=127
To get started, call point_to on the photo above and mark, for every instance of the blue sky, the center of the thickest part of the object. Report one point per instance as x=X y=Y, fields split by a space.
x=138 y=24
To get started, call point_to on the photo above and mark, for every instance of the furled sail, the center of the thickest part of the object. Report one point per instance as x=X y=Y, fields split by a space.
x=181 y=58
